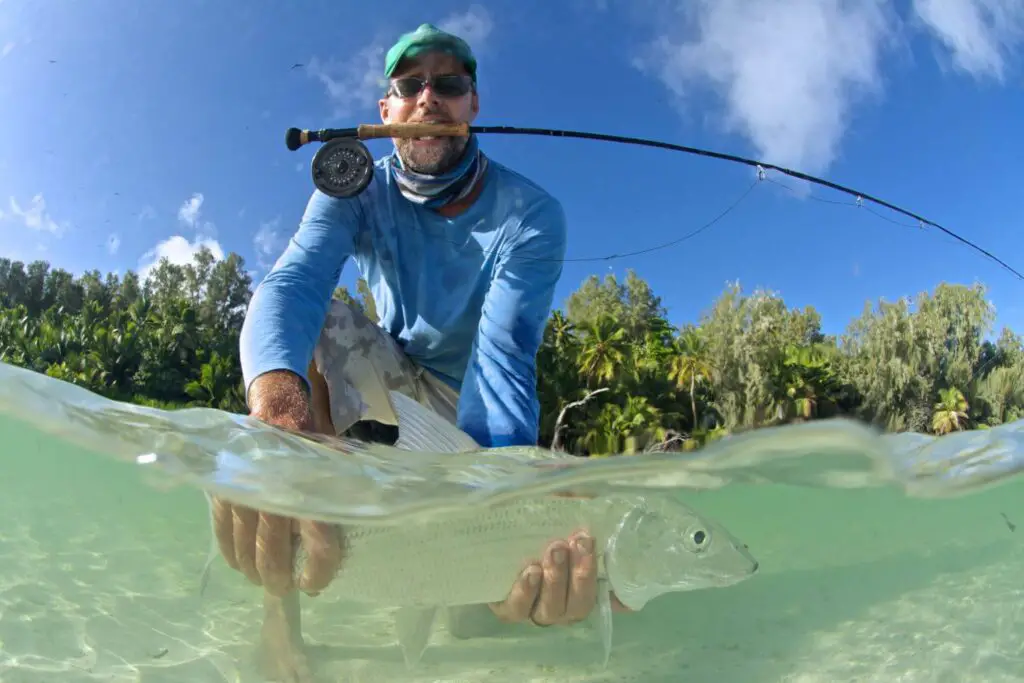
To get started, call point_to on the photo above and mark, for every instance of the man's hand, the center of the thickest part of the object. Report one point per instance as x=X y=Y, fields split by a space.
x=560 y=589
x=262 y=545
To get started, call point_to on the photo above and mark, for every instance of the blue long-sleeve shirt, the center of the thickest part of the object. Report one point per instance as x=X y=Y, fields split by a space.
x=467 y=297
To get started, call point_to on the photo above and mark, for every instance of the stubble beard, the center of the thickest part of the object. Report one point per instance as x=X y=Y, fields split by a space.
x=432 y=161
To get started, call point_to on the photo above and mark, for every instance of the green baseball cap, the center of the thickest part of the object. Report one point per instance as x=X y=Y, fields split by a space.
x=425 y=38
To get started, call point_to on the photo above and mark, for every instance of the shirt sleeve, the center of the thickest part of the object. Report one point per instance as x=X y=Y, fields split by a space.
x=288 y=308
x=498 y=404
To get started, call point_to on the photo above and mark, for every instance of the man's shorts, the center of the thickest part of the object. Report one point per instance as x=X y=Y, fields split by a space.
x=361 y=363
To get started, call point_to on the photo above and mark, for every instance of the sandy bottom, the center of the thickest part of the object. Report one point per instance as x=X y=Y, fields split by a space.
x=99 y=576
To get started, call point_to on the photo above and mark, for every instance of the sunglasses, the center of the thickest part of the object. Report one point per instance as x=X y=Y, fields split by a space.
x=445 y=85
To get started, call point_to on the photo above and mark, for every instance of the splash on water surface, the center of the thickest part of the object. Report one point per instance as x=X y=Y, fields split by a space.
x=347 y=481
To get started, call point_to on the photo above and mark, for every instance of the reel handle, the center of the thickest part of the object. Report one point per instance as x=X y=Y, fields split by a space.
x=368 y=131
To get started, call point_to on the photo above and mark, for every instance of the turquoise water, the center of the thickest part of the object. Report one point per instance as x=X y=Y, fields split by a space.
x=871 y=568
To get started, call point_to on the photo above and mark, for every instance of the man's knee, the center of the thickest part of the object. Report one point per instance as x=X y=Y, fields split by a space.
x=359 y=364
x=346 y=334
x=342 y=315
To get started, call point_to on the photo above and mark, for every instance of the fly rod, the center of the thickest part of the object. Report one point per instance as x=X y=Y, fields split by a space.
x=343 y=166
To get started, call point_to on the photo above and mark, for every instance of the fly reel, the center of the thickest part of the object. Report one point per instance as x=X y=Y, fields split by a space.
x=342 y=167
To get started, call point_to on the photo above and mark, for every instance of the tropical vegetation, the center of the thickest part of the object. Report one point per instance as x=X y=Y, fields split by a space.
x=614 y=374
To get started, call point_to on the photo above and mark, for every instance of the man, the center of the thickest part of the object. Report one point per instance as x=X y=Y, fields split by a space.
x=462 y=255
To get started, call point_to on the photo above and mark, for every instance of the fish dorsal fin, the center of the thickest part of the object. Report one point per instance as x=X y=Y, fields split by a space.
x=420 y=429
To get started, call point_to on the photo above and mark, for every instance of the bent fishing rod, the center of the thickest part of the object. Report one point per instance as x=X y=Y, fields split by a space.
x=343 y=166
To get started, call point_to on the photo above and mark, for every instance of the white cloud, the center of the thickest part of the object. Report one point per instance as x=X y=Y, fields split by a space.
x=113 y=243
x=474 y=26
x=178 y=250
x=354 y=83
x=35 y=216
x=190 y=215
x=979 y=34
x=188 y=212
x=788 y=71
x=6 y=49
x=269 y=242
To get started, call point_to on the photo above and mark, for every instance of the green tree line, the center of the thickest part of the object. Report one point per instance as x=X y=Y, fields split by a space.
x=614 y=374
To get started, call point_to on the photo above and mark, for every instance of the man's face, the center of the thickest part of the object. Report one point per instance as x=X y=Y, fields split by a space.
x=429 y=155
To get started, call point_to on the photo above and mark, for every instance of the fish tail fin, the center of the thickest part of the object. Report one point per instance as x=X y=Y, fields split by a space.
x=414 y=626
x=421 y=429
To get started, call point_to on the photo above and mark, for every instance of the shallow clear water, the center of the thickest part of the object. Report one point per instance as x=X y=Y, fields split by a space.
x=871 y=568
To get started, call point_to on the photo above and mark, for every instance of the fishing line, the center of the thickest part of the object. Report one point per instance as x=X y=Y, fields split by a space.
x=619 y=255
x=343 y=166
x=855 y=205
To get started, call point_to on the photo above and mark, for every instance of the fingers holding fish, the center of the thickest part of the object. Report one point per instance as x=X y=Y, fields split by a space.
x=273 y=549
x=560 y=589
x=322 y=543
x=223 y=528
x=569 y=590
x=554 y=588
x=244 y=524
x=519 y=603
x=262 y=546
x=582 y=593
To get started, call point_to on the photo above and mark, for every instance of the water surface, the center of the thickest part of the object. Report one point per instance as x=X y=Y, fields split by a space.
x=882 y=558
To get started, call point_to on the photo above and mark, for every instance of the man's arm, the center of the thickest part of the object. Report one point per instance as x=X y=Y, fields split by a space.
x=281 y=327
x=288 y=308
x=498 y=404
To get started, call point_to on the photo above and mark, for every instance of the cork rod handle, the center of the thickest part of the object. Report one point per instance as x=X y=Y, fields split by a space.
x=369 y=131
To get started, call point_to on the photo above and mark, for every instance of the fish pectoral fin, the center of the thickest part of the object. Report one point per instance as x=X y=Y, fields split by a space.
x=603 y=619
x=204 y=577
x=211 y=554
x=413 y=626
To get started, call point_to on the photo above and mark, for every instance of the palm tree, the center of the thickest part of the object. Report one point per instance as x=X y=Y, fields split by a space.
x=950 y=411
x=690 y=365
x=807 y=380
x=218 y=385
x=605 y=350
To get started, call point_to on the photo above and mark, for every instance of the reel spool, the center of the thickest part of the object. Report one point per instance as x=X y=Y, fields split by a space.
x=342 y=167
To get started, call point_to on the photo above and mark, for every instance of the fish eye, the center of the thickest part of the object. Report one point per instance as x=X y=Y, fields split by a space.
x=697 y=539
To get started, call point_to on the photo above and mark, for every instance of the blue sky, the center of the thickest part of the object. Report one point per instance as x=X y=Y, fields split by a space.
x=130 y=130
